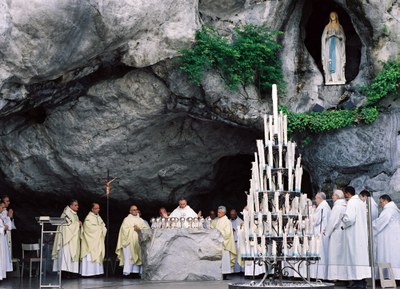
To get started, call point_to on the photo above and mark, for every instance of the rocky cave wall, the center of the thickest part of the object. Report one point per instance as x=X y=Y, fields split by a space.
x=90 y=86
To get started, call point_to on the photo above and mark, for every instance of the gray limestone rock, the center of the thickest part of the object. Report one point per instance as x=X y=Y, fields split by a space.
x=181 y=254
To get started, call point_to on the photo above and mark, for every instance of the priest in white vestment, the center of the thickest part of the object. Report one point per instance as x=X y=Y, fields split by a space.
x=356 y=249
x=236 y=223
x=128 y=247
x=3 y=230
x=223 y=225
x=92 y=243
x=66 y=248
x=337 y=269
x=5 y=215
x=321 y=216
x=184 y=211
x=387 y=231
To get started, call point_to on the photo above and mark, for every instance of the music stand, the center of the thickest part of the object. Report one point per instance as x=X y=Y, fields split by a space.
x=50 y=222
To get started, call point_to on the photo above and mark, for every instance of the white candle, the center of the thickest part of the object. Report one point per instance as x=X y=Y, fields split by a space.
x=295 y=205
x=280 y=130
x=280 y=149
x=269 y=223
x=305 y=246
x=263 y=247
x=287 y=206
x=260 y=227
x=265 y=203
x=317 y=245
x=306 y=226
x=280 y=223
x=271 y=129
x=275 y=106
x=280 y=182
x=312 y=246
x=269 y=176
x=270 y=155
x=296 y=243
x=266 y=133
x=284 y=251
x=285 y=124
x=290 y=178
x=273 y=248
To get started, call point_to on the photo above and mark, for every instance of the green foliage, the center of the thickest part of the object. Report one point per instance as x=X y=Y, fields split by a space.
x=251 y=57
x=319 y=122
x=385 y=83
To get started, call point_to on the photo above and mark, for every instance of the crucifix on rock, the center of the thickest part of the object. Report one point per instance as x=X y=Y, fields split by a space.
x=107 y=181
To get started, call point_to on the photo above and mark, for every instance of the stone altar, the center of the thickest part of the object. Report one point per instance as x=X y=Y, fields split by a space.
x=181 y=254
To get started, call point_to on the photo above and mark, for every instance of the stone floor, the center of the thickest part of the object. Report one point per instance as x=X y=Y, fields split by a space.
x=124 y=283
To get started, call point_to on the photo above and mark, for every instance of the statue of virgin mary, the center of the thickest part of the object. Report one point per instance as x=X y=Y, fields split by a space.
x=333 y=51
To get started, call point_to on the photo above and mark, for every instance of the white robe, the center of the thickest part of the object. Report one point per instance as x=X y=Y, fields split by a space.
x=3 y=263
x=235 y=224
x=186 y=212
x=356 y=247
x=7 y=240
x=337 y=269
x=321 y=216
x=387 y=231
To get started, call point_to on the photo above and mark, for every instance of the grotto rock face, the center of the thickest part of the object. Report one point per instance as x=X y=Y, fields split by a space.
x=94 y=85
x=365 y=157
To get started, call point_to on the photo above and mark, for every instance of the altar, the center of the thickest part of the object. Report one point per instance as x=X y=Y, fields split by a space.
x=181 y=254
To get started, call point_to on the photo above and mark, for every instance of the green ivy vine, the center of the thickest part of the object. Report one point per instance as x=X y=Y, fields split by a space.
x=250 y=57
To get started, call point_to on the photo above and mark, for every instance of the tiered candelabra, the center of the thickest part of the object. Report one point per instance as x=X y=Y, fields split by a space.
x=278 y=229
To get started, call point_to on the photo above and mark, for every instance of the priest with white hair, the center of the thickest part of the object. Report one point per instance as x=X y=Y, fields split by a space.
x=337 y=269
x=321 y=216
x=128 y=247
x=224 y=225
x=386 y=230
x=92 y=244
